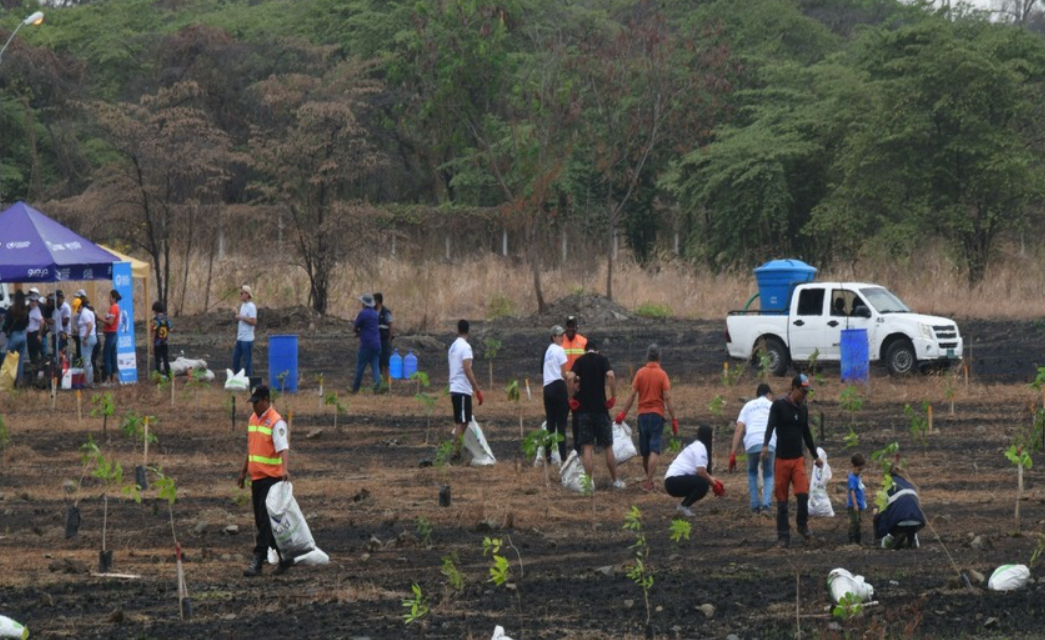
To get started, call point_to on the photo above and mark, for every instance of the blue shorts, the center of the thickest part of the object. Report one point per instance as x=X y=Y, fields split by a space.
x=651 y=428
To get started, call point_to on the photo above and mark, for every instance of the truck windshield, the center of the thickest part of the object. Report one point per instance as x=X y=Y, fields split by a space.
x=884 y=300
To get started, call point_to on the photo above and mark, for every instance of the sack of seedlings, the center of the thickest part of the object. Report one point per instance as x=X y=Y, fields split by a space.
x=572 y=473
x=236 y=381
x=555 y=458
x=475 y=442
x=841 y=582
x=1009 y=577
x=288 y=523
x=183 y=366
x=11 y=629
x=623 y=448
x=315 y=557
x=819 y=501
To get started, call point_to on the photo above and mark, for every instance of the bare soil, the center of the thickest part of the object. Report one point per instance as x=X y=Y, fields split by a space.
x=363 y=491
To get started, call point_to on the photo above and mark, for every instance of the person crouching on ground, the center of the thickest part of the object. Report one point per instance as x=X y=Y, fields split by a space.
x=462 y=385
x=587 y=387
x=856 y=501
x=899 y=523
x=689 y=475
x=751 y=426
x=789 y=420
x=653 y=388
x=268 y=449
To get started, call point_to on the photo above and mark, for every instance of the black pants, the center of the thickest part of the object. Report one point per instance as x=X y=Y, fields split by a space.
x=33 y=342
x=264 y=540
x=689 y=488
x=556 y=412
x=162 y=355
x=854 y=525
x=576 y=429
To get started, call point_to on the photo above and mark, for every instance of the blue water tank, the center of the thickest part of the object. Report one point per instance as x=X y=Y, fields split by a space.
x=395 y=365
x=777 y=279
x=409 y=364
x=856 y=361
x=283 y=361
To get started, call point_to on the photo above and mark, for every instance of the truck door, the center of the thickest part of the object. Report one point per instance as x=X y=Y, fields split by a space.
x=807 y=323
x=843 y=302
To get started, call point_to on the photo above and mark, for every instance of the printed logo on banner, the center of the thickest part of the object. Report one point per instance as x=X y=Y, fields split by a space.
x=37 y=273
x=62 y=274
x=22 y=244
x=88 y=274
x=126 y=358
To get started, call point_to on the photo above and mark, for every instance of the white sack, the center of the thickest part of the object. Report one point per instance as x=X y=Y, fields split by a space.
x=288 y=523
x=475 y=442
x=312 y=558
x=819 y=500
x=236 y=381
x=841 y=582
x=11 y=629
x=623 y=448
x=182 y=366
x=539 y=460
x=572 y=473
x=1009 y=577
x=498 y=633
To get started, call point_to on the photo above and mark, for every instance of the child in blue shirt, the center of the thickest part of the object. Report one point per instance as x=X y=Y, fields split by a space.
x=856 y=502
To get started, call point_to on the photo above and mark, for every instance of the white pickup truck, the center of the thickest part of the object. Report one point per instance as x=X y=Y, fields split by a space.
x=819 y=312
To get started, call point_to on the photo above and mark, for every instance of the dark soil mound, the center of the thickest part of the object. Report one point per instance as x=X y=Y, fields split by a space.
x=589 y=309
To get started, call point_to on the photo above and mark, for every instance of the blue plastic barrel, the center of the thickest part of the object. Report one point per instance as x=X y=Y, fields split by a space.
x=856 y=361
x=283 y=359
x=395 y=365
x=409 y=364
x=777 y=280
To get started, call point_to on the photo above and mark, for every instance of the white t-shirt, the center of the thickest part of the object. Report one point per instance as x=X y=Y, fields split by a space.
x=460 y=351
x=36 y=318
x=755 y=416
x=554 y=358
x=86 y=318
x=244 y=330
x=60 y=313
x=692 y=458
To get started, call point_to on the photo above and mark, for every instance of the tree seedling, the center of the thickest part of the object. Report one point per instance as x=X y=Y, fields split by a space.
x=882 y=457
x=197 y=380
x=716 y=405
x=763 y=361
x=1039 y=550
x=512 y=391
x=426 y=399
x=675 y=444
x=110 y=472
x=814 y=367
x=167 y=489
x=416 y=606
x=500 y=570
x=731 y=375
x=5 y=436
x=640 y=573
x=849 y=606
x=538 y=442
x=680 y=529
x=331 y=400
x=423 y=527
x=493 y=345
x=851 y=439
x=104 y=407
x=917 y=422
x=136 y=428
x=1018 y=456
x=453 y=575
x=851 y=402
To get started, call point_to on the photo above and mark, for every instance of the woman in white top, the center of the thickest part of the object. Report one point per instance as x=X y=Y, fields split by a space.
x=556 y=399
x=85 y=327
x=689 y=476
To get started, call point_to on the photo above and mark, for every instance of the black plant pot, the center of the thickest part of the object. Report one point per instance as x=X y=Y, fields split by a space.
x=186 y=607
x=104 y=561
x=140 y=479
x=444 y=495
x=72 y=521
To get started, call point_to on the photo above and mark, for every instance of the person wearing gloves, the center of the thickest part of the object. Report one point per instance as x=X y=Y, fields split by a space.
x=587 y=382
x=462 y=385
x=268 y=448
x=653 y=388
x=689 y=475
x=898 y=524
x=556 y=398
x=789 y=420
x=367 y=329
x=751 y=426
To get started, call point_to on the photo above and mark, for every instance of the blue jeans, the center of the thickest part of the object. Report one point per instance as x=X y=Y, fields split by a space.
x=109 y=366
x=242 y=352
x=767 y=476
x=88 y=365
x=18 y=342
x=651 y=428
x=371 y=356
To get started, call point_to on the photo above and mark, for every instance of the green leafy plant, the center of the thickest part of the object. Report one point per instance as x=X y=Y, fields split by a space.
x=454 y=577
x=849 y=606
x=763 y=361
x=5 y=436
x=950 y=390
x=104 y=407
x=814 y=367
x=653 y=311
x=493 y=345
x=500 y=570
x=110 y=472
x=640 y=572
x=423 y=527
x=1019 y=457
x=917 y=422
x=499 y=306
x=1039 y=550
x=426 y=399
x=1039 y=380
x=731 y=375
x=716 y=405
x=851 y=402
x=512 y=391
x=282 y=380
x=675 y=444
x=851 y=439
x=540 y=440
x=133 y=427
x=332 y=400
x=886 y=458
x=416 y=606
x=680 y=529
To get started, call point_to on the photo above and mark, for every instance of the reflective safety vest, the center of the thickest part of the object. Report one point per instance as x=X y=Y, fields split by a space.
x=574 y=349
x=263 y=461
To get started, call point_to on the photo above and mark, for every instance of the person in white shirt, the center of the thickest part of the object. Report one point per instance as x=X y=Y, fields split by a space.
x=462 y=385
x=36 y=321
x=556 y=398
x=751 y=426
x=60 y=322
x=246 y=319
x=689 y=476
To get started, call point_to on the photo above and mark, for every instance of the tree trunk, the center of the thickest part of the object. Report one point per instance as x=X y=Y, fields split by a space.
x=609 y=258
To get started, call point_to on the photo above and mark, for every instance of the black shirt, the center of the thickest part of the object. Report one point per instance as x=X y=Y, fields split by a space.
x=592 y=368
x=792 y=427
x=384 y=321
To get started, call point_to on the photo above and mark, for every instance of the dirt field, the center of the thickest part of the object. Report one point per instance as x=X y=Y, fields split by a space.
x=364 y=491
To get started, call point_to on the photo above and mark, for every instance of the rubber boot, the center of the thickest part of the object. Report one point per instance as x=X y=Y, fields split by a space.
x=257 y=563
x=802 y=518
x=783 y=528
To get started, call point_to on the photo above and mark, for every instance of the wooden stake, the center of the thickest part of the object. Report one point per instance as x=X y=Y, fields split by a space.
x=929 y=413
x=529 y=396
x=145 y=450
x=172 y=389
x=1019 y=491
x=319 y=405
x=965 y=370
x=54 y=394
x=79 y=406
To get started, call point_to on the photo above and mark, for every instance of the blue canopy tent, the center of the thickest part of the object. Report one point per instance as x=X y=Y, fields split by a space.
x=34 y=248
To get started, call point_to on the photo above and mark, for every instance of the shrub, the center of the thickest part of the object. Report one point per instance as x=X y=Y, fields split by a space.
x=654 y=311
x=499 y=306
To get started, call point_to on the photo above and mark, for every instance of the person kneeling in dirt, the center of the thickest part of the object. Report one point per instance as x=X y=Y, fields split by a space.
x=587 y=388
x=899 y=523
x=267 y=452
x=689 y=476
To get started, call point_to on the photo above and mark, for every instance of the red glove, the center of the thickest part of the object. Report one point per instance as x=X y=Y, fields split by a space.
x=733 y=462
x=575 y=404
x=719 y=489
x=479 y=397
x=610 y=403
x=674 y=426
x=620 y=418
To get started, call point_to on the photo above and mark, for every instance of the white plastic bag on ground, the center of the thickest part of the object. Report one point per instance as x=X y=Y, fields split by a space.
x=315 y=557
x=11 y=629
x=475 y=442
x=1009 y=577
x=819 y=500
x=288 y=523
x=182 y=366
x=539 y=460
x=236 y=381
x=498 y=633
x=572 y=473
x=623 y=448
x=841 y=582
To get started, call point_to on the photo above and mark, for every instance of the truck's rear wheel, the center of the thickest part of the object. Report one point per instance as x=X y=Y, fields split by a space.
x=776 y=351
x=900 y=358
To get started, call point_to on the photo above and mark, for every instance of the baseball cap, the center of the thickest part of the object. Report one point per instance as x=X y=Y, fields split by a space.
x=557 y=330
x=571 y=321
x=33 y=290
x=247 y=290
x=260 y=393
x=800 y=381
x=367 y=300
x=59 y=293
x=80 y=293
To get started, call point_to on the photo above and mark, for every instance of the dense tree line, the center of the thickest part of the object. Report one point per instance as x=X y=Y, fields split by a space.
x=826 y=129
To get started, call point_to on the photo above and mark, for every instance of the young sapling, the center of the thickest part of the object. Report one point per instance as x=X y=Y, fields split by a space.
x=640 y=573
x=512 y=391
x=331 y=400
x=851 y=402
x=416 y=606
x=493 y=345
x=1018 y=456
x=104 y=407
x=680 y=529
x=426 y=399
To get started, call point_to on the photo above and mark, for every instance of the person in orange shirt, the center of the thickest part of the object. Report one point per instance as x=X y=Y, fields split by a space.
x=574 y=345
x=653 y=389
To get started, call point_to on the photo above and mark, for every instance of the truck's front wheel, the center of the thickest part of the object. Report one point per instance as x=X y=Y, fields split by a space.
x=776 y=353
x=900 y=358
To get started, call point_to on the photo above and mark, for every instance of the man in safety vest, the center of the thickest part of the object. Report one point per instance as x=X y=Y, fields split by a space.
x=574 y=344
x=267 y=451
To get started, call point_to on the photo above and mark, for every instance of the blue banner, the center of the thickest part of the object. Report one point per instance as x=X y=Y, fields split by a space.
x=126 y=358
